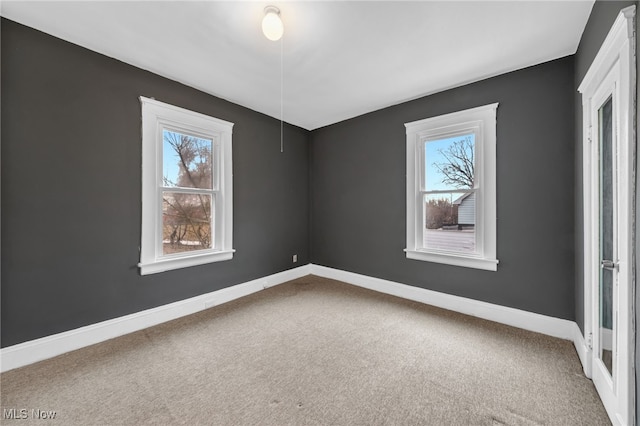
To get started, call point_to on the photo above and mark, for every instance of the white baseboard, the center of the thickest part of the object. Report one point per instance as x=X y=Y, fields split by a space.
x=556 y=327
x=47 y=347
x=584 y=353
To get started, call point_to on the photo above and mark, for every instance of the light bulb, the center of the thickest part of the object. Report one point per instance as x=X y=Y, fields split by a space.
x=272 y=24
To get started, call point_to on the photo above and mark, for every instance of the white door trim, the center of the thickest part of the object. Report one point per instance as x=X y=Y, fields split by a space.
x=613 y=67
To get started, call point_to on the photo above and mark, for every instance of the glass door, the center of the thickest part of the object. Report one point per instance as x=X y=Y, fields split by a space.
x=608 y=159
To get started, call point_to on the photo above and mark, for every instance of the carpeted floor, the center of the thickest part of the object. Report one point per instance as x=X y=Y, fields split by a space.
x=308 y=352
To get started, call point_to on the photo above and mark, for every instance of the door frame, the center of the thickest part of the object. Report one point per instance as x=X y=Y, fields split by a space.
x=615 y=60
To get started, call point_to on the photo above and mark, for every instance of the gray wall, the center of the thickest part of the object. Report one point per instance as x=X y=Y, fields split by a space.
x=71 y=162
x=358 y=192
x=602 y=17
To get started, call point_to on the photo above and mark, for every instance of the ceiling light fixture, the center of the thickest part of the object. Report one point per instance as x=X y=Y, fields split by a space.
x=272 y=24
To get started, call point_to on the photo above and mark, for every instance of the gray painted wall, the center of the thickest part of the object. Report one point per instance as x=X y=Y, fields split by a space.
x=358 y=192
x=601 y=19
x=71 y=162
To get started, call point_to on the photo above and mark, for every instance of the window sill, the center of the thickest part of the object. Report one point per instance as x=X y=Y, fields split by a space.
x=456 y=260
x=169 y=264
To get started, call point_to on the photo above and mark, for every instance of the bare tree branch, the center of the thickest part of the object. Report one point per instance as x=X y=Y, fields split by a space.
x=458 y=169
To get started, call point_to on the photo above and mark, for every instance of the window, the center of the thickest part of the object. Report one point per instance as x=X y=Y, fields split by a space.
x=186 y=188
x=451 y=188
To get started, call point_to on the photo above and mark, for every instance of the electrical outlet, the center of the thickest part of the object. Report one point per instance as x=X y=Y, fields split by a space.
x=295 y=258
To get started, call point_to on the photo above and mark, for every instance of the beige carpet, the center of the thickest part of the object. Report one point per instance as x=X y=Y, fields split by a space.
x=313 y=351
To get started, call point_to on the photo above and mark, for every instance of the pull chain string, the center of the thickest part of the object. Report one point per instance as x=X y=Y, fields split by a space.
x=281 y=94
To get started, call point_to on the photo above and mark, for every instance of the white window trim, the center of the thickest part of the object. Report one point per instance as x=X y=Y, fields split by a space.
x=155 y=117
x=483 y=120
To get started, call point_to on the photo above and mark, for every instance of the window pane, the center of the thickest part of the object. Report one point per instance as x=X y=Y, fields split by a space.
x=186 y=222
x=450 y=222
x=187 y=161
x=449 y=163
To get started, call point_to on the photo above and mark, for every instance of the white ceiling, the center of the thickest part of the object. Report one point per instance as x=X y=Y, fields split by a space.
x=340 y=59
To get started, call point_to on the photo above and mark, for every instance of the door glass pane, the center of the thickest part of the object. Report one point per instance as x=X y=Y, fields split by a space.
x=607 y=242
x=186 y=222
